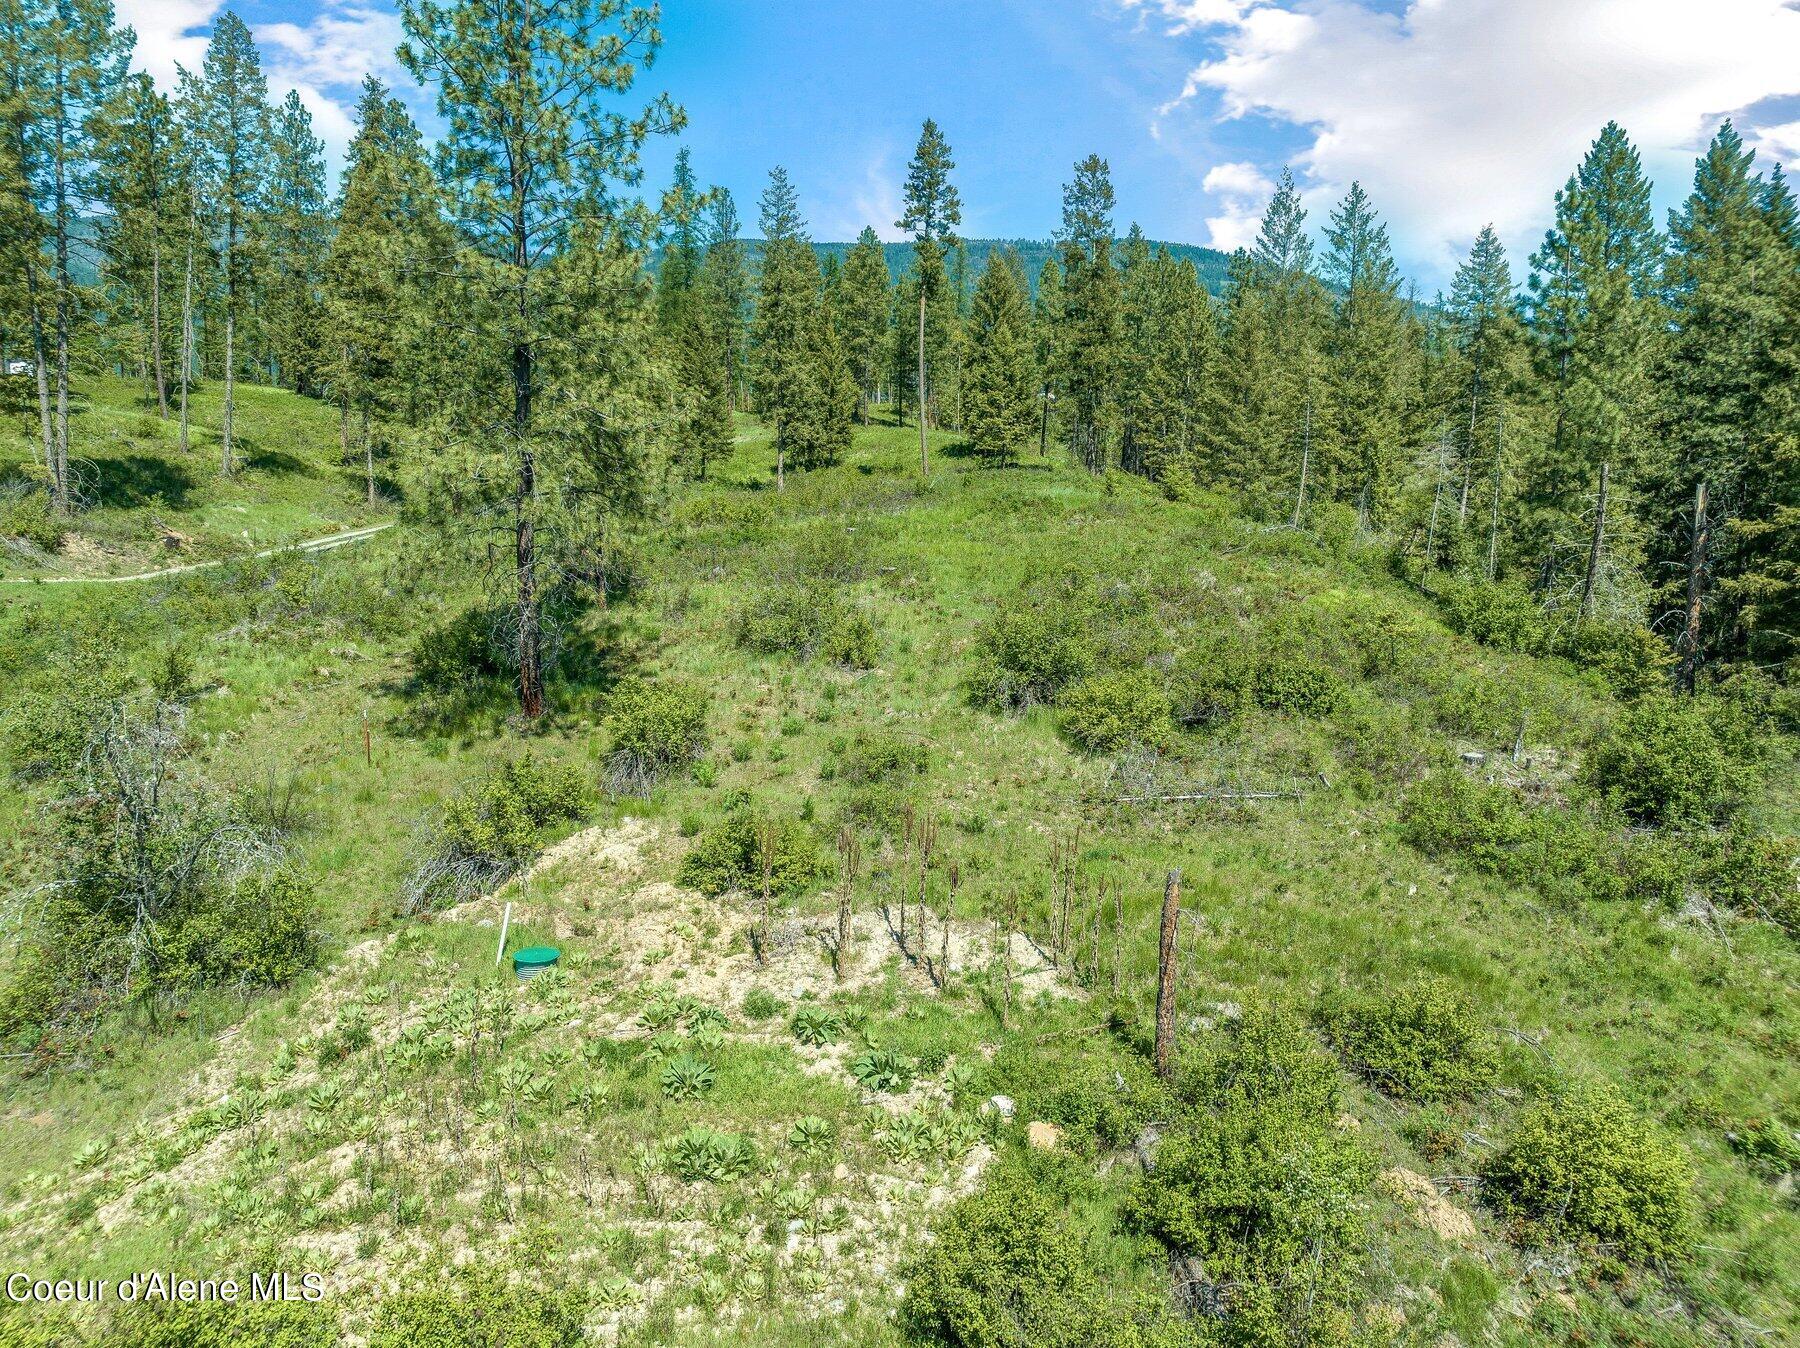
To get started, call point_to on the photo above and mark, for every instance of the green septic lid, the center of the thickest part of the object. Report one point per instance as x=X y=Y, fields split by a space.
x=536 y=957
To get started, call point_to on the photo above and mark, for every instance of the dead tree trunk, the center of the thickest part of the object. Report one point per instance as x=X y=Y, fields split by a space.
x=1595 y=548
x=1696 y=589
x=1165 y=977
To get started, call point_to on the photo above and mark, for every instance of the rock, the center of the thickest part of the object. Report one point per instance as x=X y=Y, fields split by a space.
x=1428 y=1207
x=1000 y=1104
x=840 y=1172
x=1348 y=1123
x=799 y=991
x=1475 y=759
x=1144 y=1147
x=1044 y=1136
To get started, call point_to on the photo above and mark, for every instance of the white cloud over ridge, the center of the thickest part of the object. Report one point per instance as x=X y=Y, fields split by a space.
x=1455 y=113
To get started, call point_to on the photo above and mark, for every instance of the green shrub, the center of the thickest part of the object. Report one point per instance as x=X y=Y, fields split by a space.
x=1005 y=1270
x=1105 y=713
x=656 y=729
x=1584 y=1167
x=1297 y=686
x=730 y=855
x=26 y=515
x=1097 y=1092
x=809 y=621
x=1666 y=762
x=460 y=650
x=1758 y=873
x=760 y=1004
x=1495 y=613
x=276 y=1324
x=49 y=721
x=1630 y=659
x=493 y=829
x=1027 y=654
x=1421 y=1042
x=876 y=757
x=883 y=1069
x=1254 y=1179
x=477 y=1307
x=705 y=1155
x=260 y=933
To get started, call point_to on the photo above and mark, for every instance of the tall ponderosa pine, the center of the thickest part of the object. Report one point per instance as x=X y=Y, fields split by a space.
x=230 y=146
x=1168 y=337
x=1487 y=356
x=1089 y=359
x=1000 y=399
x=727 y=279
x=72 y=64
x=140 y=184
x=531 y=155
x=932 y=212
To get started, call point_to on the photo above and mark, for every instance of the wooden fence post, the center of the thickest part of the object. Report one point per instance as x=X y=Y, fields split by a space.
x=1165 y=977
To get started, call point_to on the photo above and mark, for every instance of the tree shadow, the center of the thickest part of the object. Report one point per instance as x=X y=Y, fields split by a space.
x=276 y=463
x=129 y=480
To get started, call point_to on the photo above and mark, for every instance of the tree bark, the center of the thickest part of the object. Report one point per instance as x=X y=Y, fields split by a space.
x=368 y=444
x=1596 y=547
x=1696 y=590
x=1305 y=467
x=1165 y=976
x=1493 y=554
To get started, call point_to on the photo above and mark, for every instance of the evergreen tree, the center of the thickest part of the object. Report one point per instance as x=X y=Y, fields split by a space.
x=861 y=314
x=1168 y=336
x=1089 y=358
x=139 y=179
x=803 y=383
x=1726 y=274
x=531 y=156
x=932 y=212
x=1366 y=397
x=71 y=64
x=230 y=142
x=727 y=277
x=690 y=320
x=1593 y=306
x=1001 y=399
x=295 y=234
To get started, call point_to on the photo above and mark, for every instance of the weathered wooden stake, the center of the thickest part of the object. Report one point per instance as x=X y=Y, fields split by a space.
x=1165 y=977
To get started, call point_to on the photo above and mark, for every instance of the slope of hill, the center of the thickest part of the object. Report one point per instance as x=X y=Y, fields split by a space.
x=715 y=1125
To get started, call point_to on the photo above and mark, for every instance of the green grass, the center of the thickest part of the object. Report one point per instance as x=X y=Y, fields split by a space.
x=290 y=484
x=1289 y=897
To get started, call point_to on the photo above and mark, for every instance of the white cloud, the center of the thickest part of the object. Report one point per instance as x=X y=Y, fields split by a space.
x=166 y=34
x=339 y=46
x=872 y=201
x=1457 y=112
x=1241 y=191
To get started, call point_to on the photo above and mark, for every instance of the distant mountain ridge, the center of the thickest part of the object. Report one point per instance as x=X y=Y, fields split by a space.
x=1032 y=252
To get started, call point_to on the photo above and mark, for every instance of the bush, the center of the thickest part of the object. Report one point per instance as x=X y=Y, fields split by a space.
x=26 y=515
x=656 y=728
x=806 y=622
x=1497 y=614
x=1005 y=1270
x=730 y=856
x=1420 y=1043
x=1631 y=660
x=1255 y=1181
x=47 y=726
x=275 y=1324
x=1665 y=762
x=1105 y=713
x=1296 y=686
x=1098 y=1095
x=877 y=758
x=495 y=828
x=459 y=651
x=477 y=1307
x=1758 y=873
x=1029 y=653
x=261 y=933
x=1218 y=683
x=1584 y=1167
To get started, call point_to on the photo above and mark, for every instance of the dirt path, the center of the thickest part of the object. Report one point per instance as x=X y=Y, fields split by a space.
x=325 y=544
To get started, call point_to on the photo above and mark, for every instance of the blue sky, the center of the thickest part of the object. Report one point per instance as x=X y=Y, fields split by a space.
x=1452 y=112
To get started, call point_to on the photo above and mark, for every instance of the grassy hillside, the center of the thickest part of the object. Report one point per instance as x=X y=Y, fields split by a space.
x=407 y=1108
x=145 y=504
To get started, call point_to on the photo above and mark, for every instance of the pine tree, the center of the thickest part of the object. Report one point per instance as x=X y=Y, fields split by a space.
x=1726 y=274
x=230 y=141
x=932 y=212
x=727 y=277
x=1001 y=399
x=803 y=383
x=71 y=65
x=1091 y=315
x=1594 y=309
x=1366 y=398
x=1168 y=336
x=138 y=184
x=861 y=315
x=295 y=232
x=532 y=154
x=691 y=322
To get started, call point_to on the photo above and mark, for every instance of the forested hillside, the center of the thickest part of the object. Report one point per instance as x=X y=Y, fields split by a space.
x=1075 y=801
